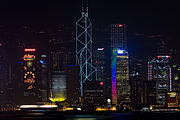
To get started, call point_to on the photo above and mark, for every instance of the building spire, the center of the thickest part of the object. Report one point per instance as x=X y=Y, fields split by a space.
x=87 y=8
x=84 y=7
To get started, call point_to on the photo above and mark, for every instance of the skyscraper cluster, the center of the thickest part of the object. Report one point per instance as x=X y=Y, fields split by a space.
x=88 y=66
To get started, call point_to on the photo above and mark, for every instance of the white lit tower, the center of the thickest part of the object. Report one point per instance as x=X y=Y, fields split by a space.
x=84 y=48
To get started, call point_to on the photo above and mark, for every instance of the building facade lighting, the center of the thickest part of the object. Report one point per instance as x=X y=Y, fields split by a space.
x=29 y=50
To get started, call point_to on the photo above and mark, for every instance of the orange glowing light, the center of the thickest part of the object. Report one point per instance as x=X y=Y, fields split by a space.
x=29 y=50
x=30 y=87
x=29 y=57
x=25 y=68
x=29 y=80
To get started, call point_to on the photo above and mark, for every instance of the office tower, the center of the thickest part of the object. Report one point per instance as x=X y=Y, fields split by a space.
x=118 y=36
x=58 y=86
x=159 y=70
x=99 y=63
x=172 y=99
x=93 y=95
x=44 y=77
x=59 y=59
x=3 y=74
x=94 y=91
x=32 y=83
x=73 y=85
x=150 y=92
x=59 y=51
x=120 y=77
x=175 y=72
x=120 y=65
x=84 y=49
x=102 y=53
x=137 y=78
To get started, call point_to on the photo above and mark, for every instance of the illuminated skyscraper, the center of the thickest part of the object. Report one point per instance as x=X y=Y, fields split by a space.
x=99 y=63
x=120 y=65
x=58 y=86
x=120 y=77
x=159 y=70
x=30 y=74
x=118 y=36
x=84 y=48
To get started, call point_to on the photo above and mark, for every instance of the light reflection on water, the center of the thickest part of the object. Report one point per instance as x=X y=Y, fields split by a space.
x=83 y=117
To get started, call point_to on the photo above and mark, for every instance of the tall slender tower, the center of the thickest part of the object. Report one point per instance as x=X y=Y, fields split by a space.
x=120 y=65
x=84 y=48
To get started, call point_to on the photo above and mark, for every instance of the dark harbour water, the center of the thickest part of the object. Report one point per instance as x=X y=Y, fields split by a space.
x=89 y=116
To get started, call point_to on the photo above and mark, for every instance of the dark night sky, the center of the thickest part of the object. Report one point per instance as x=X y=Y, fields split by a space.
x=143 y=16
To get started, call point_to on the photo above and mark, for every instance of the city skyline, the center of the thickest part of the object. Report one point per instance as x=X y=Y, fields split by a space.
x=90 y=55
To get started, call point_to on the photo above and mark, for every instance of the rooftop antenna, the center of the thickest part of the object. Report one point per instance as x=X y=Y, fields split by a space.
x=84 y=8
x=87 y=9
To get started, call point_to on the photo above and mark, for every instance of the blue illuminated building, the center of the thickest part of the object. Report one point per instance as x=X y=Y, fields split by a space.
x=119 y=65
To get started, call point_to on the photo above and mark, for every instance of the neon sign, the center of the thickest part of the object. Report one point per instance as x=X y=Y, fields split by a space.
x=29 y=70
x=100 y=49
x=29 y=57
x=163 y=56
x=29 y=50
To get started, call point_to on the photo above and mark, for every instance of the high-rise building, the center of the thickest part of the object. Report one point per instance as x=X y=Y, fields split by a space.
x=120 y=77
x=99 y=63
x=101 y=47
x=84 y=49
x=120 y=65
x=3 y=73
x=58 y=86
x=93 y=95
x=73 y=85
x=159 y=70
x=32 y=83
x=137 y=77
x=44 y=77
x=150 y=92
x=118 y=36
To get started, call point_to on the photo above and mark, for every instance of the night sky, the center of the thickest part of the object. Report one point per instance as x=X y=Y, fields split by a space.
x=141 y=16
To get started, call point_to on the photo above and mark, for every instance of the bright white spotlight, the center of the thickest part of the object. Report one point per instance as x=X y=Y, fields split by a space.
x=120 y=51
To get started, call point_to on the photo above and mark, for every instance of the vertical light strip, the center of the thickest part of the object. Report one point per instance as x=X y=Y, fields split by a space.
x=114 y=89
x=149 y=71
x=170 y=79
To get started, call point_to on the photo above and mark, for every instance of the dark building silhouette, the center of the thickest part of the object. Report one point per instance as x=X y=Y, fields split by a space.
x=73 y=84
x=93 y=95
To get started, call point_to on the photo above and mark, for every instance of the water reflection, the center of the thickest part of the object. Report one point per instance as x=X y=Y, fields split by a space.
x=84 y=117
x=81 y=119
